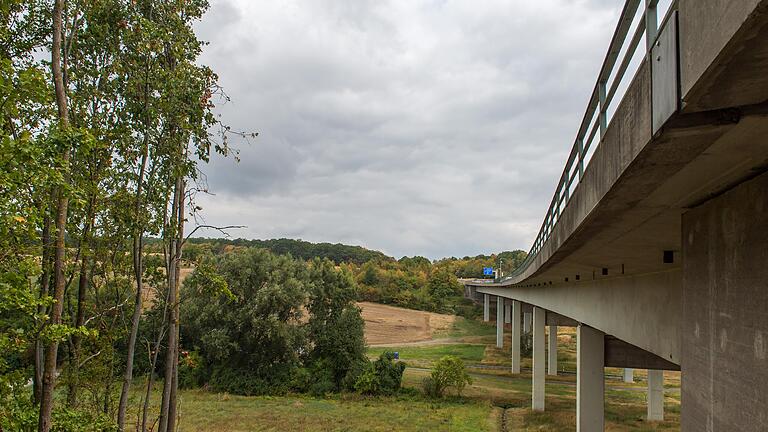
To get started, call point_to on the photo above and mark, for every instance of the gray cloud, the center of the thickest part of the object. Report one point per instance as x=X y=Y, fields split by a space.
x=414 y=127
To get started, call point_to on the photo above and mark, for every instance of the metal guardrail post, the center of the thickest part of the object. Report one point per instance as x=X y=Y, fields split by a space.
x=603 y=113
x=651 y=23
x=580 y=158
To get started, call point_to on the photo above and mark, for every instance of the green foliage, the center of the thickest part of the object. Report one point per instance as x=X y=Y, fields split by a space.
x=449 y=371
x=21 y=416
x=381 y=377
x=335 y=329
x=245 y=319
x=252 y=330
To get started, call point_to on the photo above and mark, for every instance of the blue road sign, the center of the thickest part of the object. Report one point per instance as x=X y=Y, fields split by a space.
x=487 y=271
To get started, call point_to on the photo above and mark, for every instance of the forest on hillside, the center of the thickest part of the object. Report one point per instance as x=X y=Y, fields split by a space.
x=411 y=282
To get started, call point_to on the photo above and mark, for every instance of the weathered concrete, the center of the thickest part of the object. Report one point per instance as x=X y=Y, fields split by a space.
x=590 y=380
x=655 y=395
x=537 y=397
x=723 y=53
x=499 y=322
x=486 y=307
x=725 y=318
x=516 y=336
x=552 y=351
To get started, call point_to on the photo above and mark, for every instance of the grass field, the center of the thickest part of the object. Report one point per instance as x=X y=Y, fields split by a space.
x=210 y=412
x=496 y=400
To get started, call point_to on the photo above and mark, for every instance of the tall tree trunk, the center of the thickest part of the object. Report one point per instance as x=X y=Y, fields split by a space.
x=138 y=272
x=173 y=406
x=49 y=375
x=45 y=282
x=172 y=345
x=82 y=290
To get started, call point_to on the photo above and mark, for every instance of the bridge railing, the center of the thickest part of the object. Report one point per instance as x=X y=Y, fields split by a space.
x=625 y=53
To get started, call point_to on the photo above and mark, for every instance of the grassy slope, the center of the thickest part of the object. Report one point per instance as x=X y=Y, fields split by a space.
x=204 y=411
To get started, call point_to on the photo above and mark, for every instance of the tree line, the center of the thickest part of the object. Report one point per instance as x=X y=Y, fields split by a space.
x=410 y=282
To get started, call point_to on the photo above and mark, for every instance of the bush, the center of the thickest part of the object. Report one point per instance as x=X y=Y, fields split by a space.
x=191 y=370
x=449 y=371
x=381 y=377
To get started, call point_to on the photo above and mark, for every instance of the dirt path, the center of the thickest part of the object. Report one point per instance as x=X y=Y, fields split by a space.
x=389 y=325
x=430 y=342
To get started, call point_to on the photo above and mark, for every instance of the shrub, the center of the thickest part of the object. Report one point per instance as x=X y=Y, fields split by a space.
x=432 y=387
x=191 y=369
x=381 y=377
x=449 y=371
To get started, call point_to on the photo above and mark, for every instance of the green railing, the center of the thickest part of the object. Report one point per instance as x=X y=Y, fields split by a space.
x=635 y=21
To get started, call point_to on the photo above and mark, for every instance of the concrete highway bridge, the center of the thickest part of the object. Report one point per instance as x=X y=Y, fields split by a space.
x=655 y=244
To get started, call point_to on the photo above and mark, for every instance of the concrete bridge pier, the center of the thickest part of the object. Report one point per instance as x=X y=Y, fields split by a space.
x=590 y=379
x=507 y=312
x=539 y=320
x=655 y=395
x=499 y=322
x=486 y=307
x=526 y=322
x=515 y=318
x=552 y=351
x=629 y=375
x=724 y=323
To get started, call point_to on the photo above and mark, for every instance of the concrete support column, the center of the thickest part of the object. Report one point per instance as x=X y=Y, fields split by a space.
x=526 y=322
x=552 y=351
x=655 y=395
x=515 y=318
x=499 y=322
x=629 y=375
x=507 y=312
x=539 y=320
x=486 y=307
x=724 y=327
x=590 y=381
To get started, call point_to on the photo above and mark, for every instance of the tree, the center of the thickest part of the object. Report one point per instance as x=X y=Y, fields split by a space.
x=250 y=339
x=49 y=374
x=335 y=326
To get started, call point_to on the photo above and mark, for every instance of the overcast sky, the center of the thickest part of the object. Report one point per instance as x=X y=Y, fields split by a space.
x=433 y=128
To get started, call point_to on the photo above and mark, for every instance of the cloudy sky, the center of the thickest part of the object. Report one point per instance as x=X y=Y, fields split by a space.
x=434 y=128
